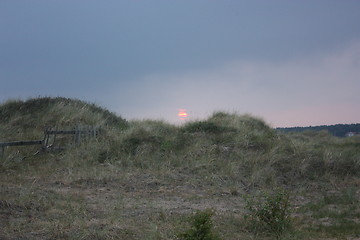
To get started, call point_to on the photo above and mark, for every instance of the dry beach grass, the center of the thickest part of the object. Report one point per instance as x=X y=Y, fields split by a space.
x=144 y=179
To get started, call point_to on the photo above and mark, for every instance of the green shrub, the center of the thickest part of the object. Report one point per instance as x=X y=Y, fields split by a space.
x=269 y=213
x=201 y=227
x=203 y=126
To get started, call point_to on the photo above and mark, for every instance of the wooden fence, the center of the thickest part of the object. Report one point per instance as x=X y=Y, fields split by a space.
x=18 y=143
x=52 y=138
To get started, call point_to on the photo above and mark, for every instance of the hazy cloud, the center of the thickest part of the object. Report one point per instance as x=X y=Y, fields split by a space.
x=314 y=90
x=288 y=61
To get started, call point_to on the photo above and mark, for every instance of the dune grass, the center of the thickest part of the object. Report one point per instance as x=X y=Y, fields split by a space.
x=143 y=179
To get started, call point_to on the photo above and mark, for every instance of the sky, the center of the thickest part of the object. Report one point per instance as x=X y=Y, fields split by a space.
x=291 y=63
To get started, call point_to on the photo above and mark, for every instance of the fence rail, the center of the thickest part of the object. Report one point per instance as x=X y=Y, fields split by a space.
x=50 y=135
x=21 y=143
x=89 y=132
x=18 y=143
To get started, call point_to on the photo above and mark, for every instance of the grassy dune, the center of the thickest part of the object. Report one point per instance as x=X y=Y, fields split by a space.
x=146 y=179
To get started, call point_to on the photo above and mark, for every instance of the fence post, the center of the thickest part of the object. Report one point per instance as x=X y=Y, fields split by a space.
x=56 y=129
x=2 y=153
x=77 y=135
x=46 y=138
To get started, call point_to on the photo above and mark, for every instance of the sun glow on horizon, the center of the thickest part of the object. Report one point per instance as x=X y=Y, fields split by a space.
x=182 y=114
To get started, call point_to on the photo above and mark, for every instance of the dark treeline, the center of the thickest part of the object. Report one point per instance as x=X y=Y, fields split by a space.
x=339 y=130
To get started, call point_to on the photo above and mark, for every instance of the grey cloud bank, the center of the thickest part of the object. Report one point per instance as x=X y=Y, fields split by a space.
x=316 y=90
x=291 y=62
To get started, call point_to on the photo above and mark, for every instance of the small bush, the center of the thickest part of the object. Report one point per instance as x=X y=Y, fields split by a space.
x=134 y=141
x=203 y=126
x=201 y=227
x=269 y=213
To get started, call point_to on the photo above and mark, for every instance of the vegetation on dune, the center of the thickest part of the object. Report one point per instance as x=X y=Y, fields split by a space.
x=201 y=227
x=39 y=113
x=141 y=179
x=338 y=130
x=269 y=212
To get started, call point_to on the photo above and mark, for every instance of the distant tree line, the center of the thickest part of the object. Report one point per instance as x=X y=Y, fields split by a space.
x=339 y=130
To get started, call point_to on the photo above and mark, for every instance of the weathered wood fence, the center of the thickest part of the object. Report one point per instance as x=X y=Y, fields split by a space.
x=17 y=143
x=51 y=138
x=79 y=133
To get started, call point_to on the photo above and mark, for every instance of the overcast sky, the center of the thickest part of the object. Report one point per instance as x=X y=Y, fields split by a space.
x=293 y=63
